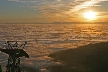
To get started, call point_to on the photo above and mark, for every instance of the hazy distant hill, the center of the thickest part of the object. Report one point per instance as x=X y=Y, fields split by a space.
x=89 y=58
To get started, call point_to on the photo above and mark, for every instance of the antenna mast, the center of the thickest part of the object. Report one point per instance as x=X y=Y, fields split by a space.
x=15 y=51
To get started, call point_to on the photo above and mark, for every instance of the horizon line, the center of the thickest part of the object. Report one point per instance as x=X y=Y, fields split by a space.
x=48 y=22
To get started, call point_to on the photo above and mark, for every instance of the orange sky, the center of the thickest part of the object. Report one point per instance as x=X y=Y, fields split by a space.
x=51 y=10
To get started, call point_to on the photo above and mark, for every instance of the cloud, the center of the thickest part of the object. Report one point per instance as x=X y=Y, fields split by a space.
x=54 y=6
x=25 y=0
x=60 y=8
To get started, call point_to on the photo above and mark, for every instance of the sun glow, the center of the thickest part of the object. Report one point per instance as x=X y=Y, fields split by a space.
x=90 y=15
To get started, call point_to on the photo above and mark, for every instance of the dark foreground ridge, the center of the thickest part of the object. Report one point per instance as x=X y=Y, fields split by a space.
x=88 y=58
x=29 y=68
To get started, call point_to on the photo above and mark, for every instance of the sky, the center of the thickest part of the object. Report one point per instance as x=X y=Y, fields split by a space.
x=52 y=10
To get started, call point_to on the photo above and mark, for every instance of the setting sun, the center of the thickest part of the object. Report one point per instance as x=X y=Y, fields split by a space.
x=90 y=15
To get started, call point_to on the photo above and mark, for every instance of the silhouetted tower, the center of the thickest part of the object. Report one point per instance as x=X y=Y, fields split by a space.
x=13 y=49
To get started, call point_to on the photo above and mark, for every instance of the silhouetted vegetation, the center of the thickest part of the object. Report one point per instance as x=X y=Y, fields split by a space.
x=89 y=58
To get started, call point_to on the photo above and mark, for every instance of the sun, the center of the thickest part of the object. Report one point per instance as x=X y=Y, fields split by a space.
x=90 y=15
